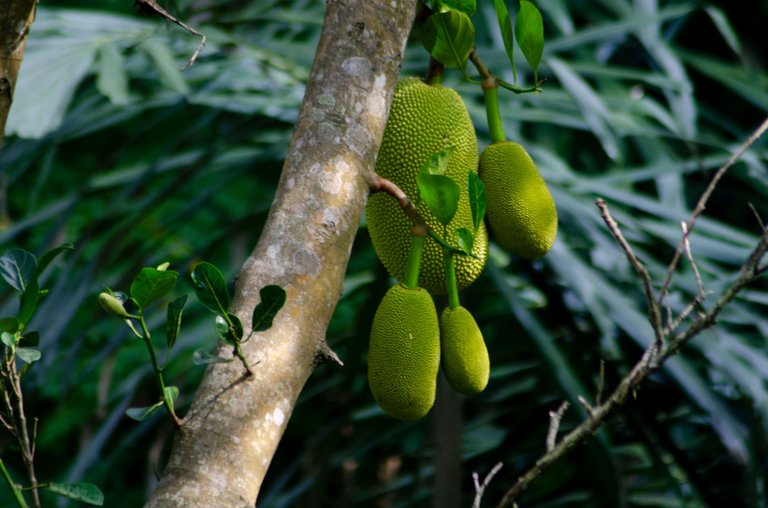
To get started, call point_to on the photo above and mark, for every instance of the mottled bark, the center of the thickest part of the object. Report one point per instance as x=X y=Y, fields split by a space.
x=222 y=453
x=16 y=17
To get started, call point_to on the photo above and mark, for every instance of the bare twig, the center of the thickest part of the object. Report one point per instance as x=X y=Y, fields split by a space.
x=697 y=301
x=654 y=310
x=689 y=255
x=650 y=361
x=152 y=6
x=702 y=204
x=555 y=417
x=480 y=488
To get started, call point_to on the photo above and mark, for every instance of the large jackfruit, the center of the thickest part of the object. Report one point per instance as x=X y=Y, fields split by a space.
x=404 y=353
x=462 y=352
x=424 y=119
x=520 y=209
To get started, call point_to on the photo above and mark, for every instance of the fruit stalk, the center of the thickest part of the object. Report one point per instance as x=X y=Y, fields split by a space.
x=450 y=281
x=491 y=94
x=411 y=279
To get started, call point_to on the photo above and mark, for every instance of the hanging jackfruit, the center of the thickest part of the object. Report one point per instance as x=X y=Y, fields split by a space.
x=404 y=353
x=462 y=352
x=424 y=119
x=520 y=209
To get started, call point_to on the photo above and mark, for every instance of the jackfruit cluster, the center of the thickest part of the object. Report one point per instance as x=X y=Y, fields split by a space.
x=520 y=208
x=408 y=344
x=424 y=119
x=404 y=353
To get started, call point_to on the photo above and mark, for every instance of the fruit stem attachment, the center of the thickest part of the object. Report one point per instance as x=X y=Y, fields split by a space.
x=450 y=280
x=435 y=72
x=495 y=126
x=418 y=238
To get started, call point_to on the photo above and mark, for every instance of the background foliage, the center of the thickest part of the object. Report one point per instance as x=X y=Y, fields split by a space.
x=115 y=150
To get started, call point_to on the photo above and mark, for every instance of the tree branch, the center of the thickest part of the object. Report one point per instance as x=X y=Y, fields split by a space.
x=702 y=204
x=220 y=456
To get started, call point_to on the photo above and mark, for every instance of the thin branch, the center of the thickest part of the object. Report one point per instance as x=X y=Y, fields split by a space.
x=689 y=255
x=702 y=203
x=420 y=227
x=152 y=7
x=654 y=311
x=555 y=417
x=480 y=488
x=696 y=302
x=650 y=361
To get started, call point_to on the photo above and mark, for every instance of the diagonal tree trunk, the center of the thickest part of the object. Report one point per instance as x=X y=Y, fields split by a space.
x=16 y=16
x=222 y=453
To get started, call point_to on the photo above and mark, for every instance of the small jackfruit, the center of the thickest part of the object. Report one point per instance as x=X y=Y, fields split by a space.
x=422 y=120
x=404 y=353
x=462 y=352
x=520 y=209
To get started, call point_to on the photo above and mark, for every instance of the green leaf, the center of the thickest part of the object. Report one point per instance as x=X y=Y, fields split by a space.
x=111 y=79
x=49 y=256
x=477 y=198
x=141 y=413
x=437 y=164
x=173 y=320
x=8 y=339
x=468 y=7
x=39 y=108
x=529 y=30
x=449 y=37
x=505 y=25
x=466 y=240
x=441 y=194
x=152 y=284
x=167 y=68
x=9 y=325
x=171 y=393
x=272 y=300
x=201 y=357
x=29 y=299
x=229 y=334
x=28 y=354
x=211 y=288
x=18 y=267
x=84 y=492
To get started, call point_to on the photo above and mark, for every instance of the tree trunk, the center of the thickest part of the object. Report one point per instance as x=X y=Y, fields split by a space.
x=220 y=456
x=16 y=17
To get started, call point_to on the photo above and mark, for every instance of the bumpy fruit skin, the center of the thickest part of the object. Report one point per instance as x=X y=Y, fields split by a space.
x=520 y=209
x=404 y=354
x=422 y=120
x=463 y=353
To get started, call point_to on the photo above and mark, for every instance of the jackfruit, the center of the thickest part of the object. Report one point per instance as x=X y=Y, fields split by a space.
x=462 y=352
x=520 y=209
x=422 y=120
x=404 y=353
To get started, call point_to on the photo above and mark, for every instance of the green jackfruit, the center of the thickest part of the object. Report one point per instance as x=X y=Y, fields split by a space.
x=462 y=352
x=520 y=209
x=424 y=119
x=404 y=354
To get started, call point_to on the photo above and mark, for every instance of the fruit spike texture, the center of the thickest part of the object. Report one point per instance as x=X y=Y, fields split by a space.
x=404 y=354
x=520 y=209
x=424 y=119
x=462 y=352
